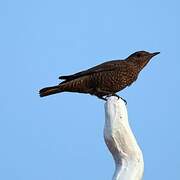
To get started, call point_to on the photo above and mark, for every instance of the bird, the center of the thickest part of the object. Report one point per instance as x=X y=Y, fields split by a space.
x=105 y=79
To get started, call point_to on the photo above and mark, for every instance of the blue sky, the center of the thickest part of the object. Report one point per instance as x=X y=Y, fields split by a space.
x=61 y=137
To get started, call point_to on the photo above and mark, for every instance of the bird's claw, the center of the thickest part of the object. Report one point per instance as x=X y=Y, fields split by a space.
x=124 y=100
x=117 y=97
x=121 y=98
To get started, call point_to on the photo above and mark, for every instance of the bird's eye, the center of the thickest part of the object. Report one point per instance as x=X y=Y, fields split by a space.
x=138 y=55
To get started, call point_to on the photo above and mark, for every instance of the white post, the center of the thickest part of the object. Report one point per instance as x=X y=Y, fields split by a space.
x=121 y=141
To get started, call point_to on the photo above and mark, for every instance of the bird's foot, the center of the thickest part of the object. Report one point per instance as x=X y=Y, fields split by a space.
x=116 y=96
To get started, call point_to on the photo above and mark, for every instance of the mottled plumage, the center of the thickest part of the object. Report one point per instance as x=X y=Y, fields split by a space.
x=104 y=79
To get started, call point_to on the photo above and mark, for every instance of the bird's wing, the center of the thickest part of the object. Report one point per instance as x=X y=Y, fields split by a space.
x=107 y=66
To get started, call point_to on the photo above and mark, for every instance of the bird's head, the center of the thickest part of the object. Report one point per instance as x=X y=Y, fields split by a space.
x=141 y=58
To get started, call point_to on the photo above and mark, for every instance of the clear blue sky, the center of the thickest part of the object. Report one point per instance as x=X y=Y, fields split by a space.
x=61 y=137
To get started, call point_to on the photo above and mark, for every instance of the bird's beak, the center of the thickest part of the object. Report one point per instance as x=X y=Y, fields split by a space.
x=155 y=53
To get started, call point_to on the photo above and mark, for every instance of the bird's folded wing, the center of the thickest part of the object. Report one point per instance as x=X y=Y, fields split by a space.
x=107 y=66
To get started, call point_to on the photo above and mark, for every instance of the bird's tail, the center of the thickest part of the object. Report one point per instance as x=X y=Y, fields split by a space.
x=50 y=90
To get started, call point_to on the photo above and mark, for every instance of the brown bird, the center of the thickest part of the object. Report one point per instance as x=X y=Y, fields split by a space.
x=105 y=79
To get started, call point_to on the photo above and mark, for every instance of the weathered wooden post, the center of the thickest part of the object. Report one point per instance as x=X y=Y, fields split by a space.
x=121 y=141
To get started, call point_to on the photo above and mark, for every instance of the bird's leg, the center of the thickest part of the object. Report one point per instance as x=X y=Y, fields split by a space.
x=100 y=92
